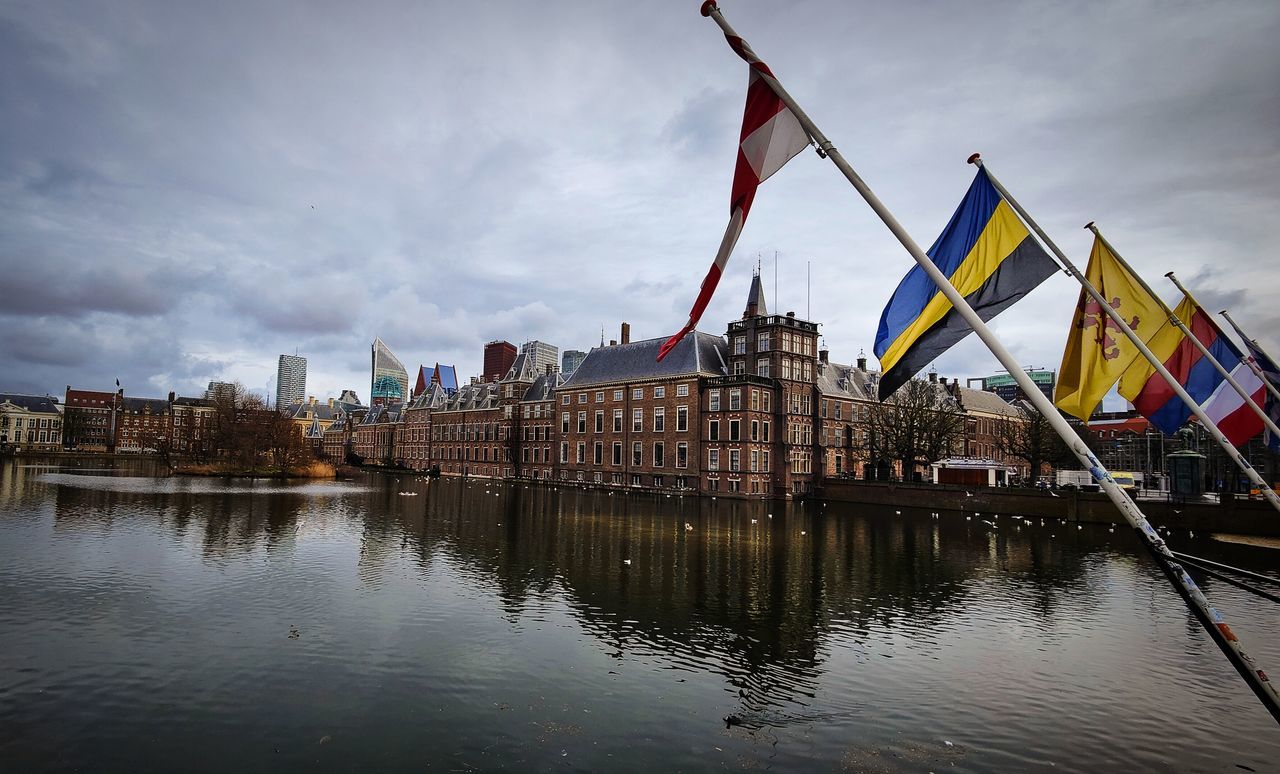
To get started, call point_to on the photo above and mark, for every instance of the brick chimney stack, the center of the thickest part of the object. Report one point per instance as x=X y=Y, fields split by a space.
x=626 y=333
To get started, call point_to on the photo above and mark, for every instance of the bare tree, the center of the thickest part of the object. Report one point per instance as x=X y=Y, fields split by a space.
x=1028 y=436
x=918 y=425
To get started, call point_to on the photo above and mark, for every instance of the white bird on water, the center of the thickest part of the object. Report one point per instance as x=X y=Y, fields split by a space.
x=626 y=562
x=688 y=527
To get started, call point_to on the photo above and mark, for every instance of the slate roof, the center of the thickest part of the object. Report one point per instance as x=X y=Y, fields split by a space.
x=40 y=404
x=988 y=402
x=140 y=405
x=322 y=411
x=697 y=354
x=521 y=369
x=433 y=397
x=473 y=397
x=542 y=387
x=845 y=381
x=386 y=412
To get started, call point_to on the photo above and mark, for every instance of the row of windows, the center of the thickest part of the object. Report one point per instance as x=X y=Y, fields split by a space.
x=759 y=430
x=637 y=420
x=758 y=460
x=787 y=342
x=761 y=400
x=658 y=460
x=31 y=422
x=637 y=393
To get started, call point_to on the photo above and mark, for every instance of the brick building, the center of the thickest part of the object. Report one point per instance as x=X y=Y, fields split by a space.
x=498 y=358
x=88 y=419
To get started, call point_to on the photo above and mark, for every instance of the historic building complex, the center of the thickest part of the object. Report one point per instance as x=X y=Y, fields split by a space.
x=759 y=411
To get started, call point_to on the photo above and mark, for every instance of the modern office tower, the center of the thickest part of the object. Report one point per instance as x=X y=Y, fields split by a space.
x=1004 y=385
x=219 y=390
x=291 y=380
x=570 y=360
x=542 y=355
x=498 y=357
x=389 y=382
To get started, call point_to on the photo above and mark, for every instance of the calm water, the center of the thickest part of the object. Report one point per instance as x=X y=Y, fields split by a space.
x=163 y=624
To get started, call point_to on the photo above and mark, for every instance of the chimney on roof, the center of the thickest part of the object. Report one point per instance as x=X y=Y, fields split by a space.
x=171 y=396
x=613 y=342
x=789 y=314
x=331 y=403
x=312 y=400
x=625 y=335
x=823 y=355
x=933 y=377
x=550 y=366
x=862 y=364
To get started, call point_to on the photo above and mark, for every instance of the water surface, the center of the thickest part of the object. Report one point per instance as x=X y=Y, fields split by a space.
x=195 y=624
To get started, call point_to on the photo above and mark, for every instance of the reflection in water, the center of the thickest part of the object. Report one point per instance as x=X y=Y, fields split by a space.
x=531 y=627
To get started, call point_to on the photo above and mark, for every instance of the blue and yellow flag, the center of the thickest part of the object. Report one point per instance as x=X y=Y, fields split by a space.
x=988 y=255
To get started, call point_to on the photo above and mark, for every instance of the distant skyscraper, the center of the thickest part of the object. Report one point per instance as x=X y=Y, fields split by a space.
x=569 y=362
x=291 y=380
x=1004 y=385
x=498 y=357
x=389 y=382
x=217 y=390
x=542 y=355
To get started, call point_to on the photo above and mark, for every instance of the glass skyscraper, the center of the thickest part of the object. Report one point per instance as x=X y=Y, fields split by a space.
x=390 y=380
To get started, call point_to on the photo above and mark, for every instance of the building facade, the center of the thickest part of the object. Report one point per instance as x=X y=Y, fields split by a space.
x=498 y=357
x=570 y=360
x=389 y=381
x=30 y=423
x=541 y=355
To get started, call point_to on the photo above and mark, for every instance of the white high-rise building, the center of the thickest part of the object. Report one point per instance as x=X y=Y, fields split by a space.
x=291 y=380
x=542 y=355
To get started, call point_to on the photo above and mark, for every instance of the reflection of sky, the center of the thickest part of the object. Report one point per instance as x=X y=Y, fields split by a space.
x=509 y=616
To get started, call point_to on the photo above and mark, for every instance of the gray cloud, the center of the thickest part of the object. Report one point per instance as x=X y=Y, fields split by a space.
x=187 y=191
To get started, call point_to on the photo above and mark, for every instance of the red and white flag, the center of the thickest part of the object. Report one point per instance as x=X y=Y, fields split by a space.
x=771 y=136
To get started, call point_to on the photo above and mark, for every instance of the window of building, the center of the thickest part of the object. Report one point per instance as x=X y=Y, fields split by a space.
x=755 y=430
x=598 y=453
x=597 y=477
x=713 y=459
x=599 y=421
x=564 y=451
x=526 y=410
x=735 y=485
x=659 y=419
x=582 y=397
x=762 y=367
x=764 y=431
x=637 y=420
x=713 y=400
x=659 y=480
x=762 y=342
x=637 y=393
x=637 y=453
x=808 y=370
x=564 y=422
x=682 y=390
x=735 y=400
x=766 y=401
x=659 y=392
x=755 y=460
x=600 y=397
x=636 y=479
x=735 y=430
x=838 y=407
x=786 y=368
x=739 y=345
x=739 y=367
x=582 y=421
x=659 y=454
x=713 y=430
x=682 y=455
x=617 y=420
x=617 y=452
x=617 y=394
x=582 y=453
x=755 y=400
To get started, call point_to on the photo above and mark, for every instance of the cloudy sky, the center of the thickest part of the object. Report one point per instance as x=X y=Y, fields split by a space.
x=188 y=190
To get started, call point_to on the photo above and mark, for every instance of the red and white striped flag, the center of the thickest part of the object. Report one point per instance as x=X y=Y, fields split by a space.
x=771 y=136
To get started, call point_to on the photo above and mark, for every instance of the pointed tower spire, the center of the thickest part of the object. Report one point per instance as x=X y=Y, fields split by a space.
x=755 y=298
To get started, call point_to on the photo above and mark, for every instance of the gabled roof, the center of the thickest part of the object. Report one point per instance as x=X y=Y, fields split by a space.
x=698 y=354
x=542 y=387
x=844 y=381
x=41 y=404
x=138 y=405
x=522 y=369
x=473 y=397
x=447 y=375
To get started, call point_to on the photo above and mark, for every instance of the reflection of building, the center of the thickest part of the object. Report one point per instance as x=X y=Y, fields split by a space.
x=541 y=355
x=498 y=357
x=30 y=422
x=389 y=382
x=291 y=380
x=571 y=360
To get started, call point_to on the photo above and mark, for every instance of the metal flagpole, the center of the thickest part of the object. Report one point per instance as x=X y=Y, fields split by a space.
x=1208 y=616
x=1275 y=393
x=1123 y=326
x=1266 y=420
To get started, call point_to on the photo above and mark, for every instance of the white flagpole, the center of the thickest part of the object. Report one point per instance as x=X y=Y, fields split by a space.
x=1105 y=305
x=1208 y=616
x=1271 y=388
